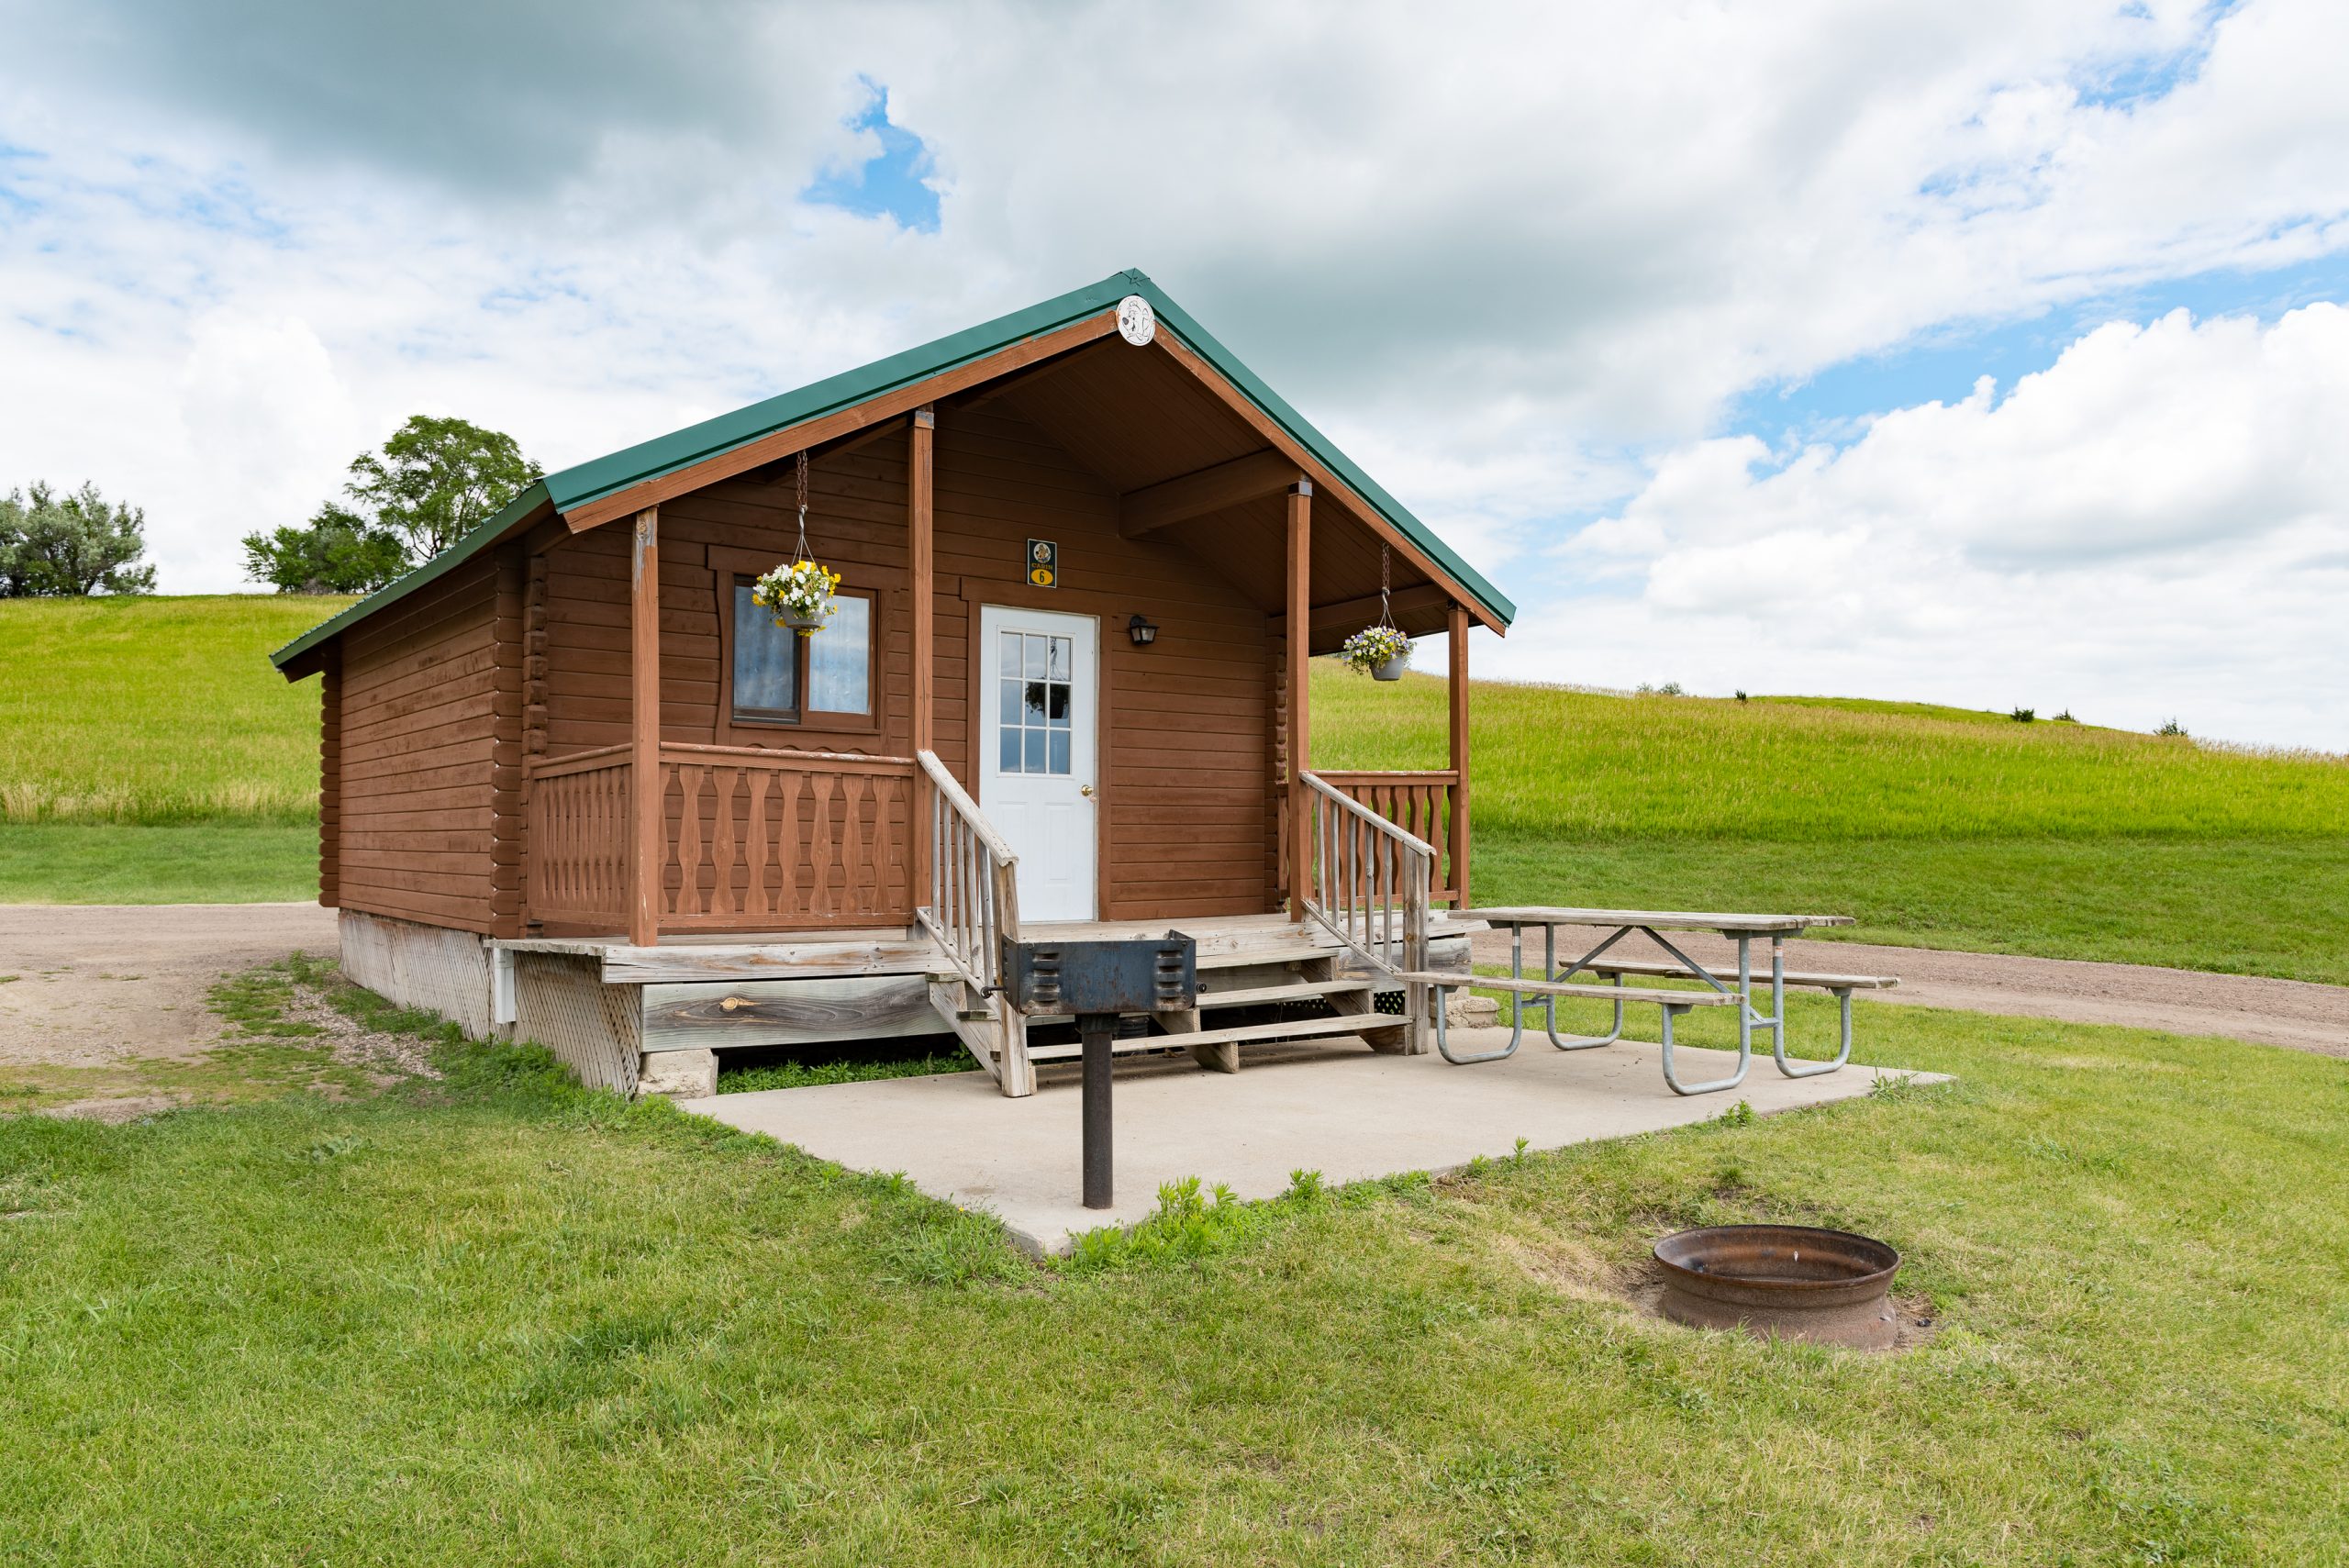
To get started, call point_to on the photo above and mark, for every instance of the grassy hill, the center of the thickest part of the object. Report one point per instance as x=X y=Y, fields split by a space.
x=152 y=754
x=156 y=710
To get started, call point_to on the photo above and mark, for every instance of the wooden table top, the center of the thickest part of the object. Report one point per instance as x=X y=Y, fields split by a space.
x=1662 y=919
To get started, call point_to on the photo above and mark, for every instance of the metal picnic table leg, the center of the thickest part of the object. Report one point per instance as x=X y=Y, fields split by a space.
x=1517 y=1018
x=1843 y=1006
x=1550 y=971
x=1746 y=1019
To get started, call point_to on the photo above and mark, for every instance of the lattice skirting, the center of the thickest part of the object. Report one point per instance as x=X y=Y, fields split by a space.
x=419 y=966
x=597 y=1030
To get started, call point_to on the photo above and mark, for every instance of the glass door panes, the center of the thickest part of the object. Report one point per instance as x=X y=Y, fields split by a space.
x=1032 y=723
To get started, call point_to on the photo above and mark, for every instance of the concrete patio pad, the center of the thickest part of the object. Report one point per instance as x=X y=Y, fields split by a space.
x=1337 y=1110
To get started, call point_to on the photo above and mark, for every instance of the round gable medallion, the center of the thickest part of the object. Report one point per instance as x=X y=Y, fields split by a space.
x=1137 y=323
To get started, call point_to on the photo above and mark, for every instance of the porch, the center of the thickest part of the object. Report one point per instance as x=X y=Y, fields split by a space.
x=624 y=1015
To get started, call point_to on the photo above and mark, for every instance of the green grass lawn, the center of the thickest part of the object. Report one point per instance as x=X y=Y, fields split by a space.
x=194 y=863
x=498 y=1318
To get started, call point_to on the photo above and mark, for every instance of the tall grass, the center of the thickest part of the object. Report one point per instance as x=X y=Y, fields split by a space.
x=159 y=710
x=1557 y=761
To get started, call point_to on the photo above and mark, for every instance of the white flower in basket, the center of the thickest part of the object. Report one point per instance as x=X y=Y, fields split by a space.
x=799 y=595
x=1378 y=650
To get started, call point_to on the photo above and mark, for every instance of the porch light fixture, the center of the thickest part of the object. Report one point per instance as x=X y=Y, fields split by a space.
x=1142 y=631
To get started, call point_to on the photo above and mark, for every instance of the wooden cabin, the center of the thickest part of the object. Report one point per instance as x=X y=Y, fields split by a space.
x=576 y=786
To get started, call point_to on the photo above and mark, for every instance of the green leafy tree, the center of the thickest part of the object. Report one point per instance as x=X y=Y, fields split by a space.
x=437 y=479
x=57 y=546
x=338 y=551
x=433 y=482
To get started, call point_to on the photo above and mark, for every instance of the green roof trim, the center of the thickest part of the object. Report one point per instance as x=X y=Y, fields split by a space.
x=616 y=472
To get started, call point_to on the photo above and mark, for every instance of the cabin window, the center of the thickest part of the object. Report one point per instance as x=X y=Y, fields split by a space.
x=781 y=677
x=1032 y=716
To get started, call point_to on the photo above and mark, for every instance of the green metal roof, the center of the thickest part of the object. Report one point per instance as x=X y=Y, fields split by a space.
x=603 y=476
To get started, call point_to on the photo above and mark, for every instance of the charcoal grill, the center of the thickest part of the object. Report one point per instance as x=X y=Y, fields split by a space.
x=1100 y=982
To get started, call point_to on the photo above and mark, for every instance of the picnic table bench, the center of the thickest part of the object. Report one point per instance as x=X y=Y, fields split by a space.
x=1725 y=986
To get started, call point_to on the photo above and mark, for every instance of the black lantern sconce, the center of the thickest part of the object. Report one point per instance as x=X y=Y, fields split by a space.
x=1142 y=631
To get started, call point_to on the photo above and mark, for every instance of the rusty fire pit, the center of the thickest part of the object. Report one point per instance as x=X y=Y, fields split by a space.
x=1787 y=1281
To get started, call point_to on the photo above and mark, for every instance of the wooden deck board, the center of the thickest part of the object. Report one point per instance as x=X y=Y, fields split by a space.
x=1224 y=940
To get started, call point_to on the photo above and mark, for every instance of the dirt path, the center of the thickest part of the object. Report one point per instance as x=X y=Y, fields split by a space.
x=93 y=984
x=2290 y=1013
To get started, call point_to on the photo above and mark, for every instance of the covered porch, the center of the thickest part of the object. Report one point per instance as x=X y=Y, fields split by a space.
x=1200 y=557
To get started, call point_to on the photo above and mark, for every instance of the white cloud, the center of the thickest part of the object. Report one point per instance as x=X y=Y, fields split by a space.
x=2157 y=525
x=1507 y=254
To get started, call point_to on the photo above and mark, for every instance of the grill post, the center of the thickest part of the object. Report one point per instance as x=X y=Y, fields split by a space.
x=1098 y=982
x=1097 y=1031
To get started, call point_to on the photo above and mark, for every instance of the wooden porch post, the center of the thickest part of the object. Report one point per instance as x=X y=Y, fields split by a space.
x=647 y=856
x=1458 y=851
x=921 y=460
x=1300 y=639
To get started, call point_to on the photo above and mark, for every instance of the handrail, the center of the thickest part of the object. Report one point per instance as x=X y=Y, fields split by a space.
x=1369 y=886
x=975 y=891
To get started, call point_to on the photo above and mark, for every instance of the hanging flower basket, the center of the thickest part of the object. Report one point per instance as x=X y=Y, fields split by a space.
x=798 y=596
x=1379 y=651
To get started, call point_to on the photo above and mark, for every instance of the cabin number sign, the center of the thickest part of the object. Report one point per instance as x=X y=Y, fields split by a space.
x=1043 y=563
x=1137 y=323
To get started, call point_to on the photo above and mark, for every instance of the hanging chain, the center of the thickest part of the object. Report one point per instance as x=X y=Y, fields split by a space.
x=1386 y=596
x=801 y=553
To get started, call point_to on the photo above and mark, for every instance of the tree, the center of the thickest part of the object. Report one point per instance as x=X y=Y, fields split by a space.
x=437 y=479
x=54 y=546
x=336 y=552
x=434 y=482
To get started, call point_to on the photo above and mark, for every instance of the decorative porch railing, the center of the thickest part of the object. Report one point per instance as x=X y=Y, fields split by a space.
x=575 y=848
x=773 y=840
x=1421 y=802
x=974 y=888
x=1368 y=885
x=756 y=840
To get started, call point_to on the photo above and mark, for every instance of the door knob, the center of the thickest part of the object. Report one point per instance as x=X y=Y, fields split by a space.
x=1085 y=789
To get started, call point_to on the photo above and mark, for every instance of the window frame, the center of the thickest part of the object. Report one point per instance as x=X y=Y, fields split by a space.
x=730 y=569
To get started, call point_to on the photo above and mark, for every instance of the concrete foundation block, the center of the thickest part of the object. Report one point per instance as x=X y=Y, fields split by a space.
x=1467 y=1012
x=680 y=1074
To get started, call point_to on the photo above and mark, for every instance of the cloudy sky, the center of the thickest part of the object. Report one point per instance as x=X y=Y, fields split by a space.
x=1993 y=354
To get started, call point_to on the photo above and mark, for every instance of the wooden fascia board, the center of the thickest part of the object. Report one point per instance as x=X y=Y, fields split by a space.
x=1170 y=501
x=1324 y=481
x=839 y=422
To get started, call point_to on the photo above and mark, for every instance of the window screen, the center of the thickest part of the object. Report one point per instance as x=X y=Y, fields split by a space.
x=766 y=662
x=1032 y=721
x=839 y=673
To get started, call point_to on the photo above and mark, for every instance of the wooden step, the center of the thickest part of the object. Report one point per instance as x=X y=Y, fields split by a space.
x=1579 y=988
x=1296 y=991
x=1304 y=1029
x=1241 y=1034
x=1287 y=953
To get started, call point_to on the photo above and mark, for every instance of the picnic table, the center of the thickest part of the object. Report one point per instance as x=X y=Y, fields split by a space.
x=1723 y=987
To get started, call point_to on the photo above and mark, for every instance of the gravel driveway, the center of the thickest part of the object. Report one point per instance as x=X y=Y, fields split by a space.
x=95 y=984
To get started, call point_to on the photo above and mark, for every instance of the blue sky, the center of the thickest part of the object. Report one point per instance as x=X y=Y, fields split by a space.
x=890 y=183
x=1943 y=365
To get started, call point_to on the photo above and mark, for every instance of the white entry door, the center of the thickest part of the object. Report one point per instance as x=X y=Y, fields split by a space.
x=1036 y=761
